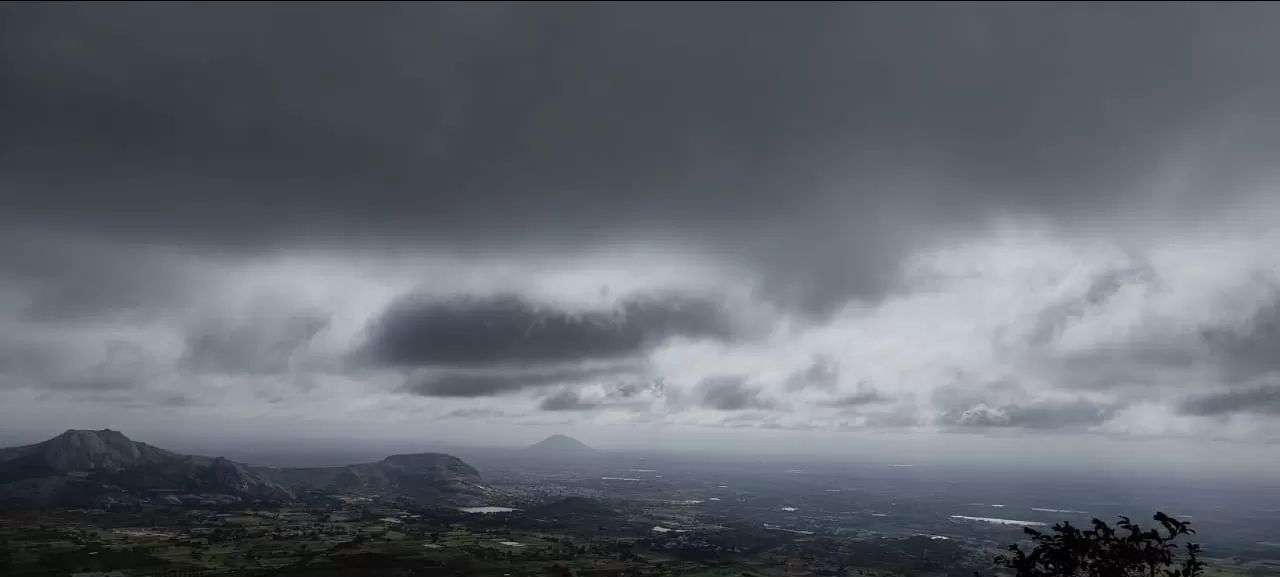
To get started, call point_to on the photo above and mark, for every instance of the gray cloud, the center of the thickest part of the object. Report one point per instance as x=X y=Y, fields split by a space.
x=823 y=373
x=490 y=382
x=1036 y=415
x=748 y=419
x=92 y=384
x=71 y=280
x=864 y=396
x=1054 y=320
x=1051 y=415
x=119 y=367
x=258 y=346
x=637 y=388
x=902 y=417
x=729 y=393
x=1232 y=350
x=1262 y=400
x=25 y=361
x=1248 y=351
x=510 y=329
x=128 y=397
x=177 y=400
x=566 y=400
x=472 y=413
x=634 y=394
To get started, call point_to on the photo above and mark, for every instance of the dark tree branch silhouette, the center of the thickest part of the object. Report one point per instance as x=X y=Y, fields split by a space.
x=1126 y=550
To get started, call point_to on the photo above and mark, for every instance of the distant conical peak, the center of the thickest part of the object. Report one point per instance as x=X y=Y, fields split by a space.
x=561 y=443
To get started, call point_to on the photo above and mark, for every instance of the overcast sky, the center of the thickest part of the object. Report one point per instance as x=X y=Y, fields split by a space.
x=645 y=224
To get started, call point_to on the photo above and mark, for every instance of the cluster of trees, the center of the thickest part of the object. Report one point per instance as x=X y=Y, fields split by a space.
x=1126 y=550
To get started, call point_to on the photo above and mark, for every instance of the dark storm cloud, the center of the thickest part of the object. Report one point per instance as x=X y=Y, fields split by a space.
x=729 y=393
x=1264 y=400
x=732 y=127
x=264 y=345
x=491 y=382
x=484 y=331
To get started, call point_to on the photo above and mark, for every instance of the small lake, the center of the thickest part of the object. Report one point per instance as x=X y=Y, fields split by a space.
x=998 y=521
x=486 y=509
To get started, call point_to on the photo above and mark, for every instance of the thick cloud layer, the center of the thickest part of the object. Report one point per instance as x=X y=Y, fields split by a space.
x=837 y=217
x=509 y=329
x=777 y=134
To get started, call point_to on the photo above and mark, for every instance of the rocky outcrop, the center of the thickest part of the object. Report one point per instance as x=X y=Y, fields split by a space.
x=109 y=459
x=231 y=477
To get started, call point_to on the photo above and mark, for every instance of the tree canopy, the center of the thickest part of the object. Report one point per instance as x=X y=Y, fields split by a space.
x=1125 y=550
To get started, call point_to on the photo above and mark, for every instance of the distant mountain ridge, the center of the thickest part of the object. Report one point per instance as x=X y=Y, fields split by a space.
x=430 y=476
x=82 y=466
x=560 y=446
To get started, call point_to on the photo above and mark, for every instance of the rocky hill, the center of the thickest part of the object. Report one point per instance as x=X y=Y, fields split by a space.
x=79 y=466
x=77 y=450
